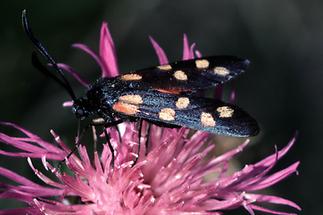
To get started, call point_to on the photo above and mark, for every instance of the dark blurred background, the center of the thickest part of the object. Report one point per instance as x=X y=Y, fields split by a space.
x=282 y=89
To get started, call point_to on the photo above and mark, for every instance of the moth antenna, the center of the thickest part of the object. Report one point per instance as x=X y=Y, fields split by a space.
x=43 y=69
x=43 y=51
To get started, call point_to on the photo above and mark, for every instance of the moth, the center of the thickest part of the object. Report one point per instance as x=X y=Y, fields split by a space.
x=167 y=95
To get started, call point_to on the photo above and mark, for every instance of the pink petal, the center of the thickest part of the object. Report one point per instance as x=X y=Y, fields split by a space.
x=42 y=177
x=90 y=52
x=12 y=193
x=214 y=204
x=186 y=48
x=68 y=104
x=273 y=200
x=275 y=178
x=29 y=134
x=24 y=193
x=38 y=147
x=249 y=209
x=107 y=53
x=22 y=145
x=274 y=157
x=198 y=53
x=51 y=156
x=258 y=208
x=159 y=51
x=230 y=154
x=75 y=74
x=60 y=143
x=192 y=50
x=17 y=178
x=232 y=96
x=188 y=51
x=21 y=211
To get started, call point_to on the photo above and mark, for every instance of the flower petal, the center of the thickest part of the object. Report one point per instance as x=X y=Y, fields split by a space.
x=107 y=53
x=15 y=177
x=75 y=74
x=90 y=52
x=258 y=208
x=273 y=200
x=275 y=178
x=186 y=49
x=68 y=104
x=159 y=51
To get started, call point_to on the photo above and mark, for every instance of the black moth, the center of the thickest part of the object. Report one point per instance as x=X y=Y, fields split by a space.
x=165 y=95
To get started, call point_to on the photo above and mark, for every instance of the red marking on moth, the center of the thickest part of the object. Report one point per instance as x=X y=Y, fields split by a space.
x=171 y=91
x=125 y=108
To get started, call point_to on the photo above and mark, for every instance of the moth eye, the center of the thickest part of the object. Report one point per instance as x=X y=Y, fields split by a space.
x=79 y=112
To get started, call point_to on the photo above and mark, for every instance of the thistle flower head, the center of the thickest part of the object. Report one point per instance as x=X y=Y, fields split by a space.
x=170 y=179
x=176 y=173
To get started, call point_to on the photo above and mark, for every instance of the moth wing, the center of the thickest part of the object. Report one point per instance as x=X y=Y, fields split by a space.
x=198 y=113
x=189 y=75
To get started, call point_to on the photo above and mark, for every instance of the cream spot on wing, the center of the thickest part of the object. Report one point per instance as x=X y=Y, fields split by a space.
x=132 y=99
x=202 y=64
x=165 y=67
x=220 y=70
x=167 y=114
x=131 y=77
x=207 y=120
x=182 y=102
x=180 y=75
x=225 y=111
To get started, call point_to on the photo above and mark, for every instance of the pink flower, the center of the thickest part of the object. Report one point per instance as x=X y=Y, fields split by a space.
x=176 y=174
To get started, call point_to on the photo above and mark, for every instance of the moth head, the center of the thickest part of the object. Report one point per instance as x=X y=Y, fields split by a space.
x=81 y=108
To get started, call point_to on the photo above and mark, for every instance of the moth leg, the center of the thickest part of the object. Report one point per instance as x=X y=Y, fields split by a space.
x=76 y=145
x=147 y=138
x=106 y=124
x=139 y=137
x=119 y=133
x=93 y=124
x=95 y=138
x=107 y=137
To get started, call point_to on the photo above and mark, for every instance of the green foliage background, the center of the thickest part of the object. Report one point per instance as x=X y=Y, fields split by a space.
x=282 y=89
